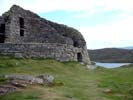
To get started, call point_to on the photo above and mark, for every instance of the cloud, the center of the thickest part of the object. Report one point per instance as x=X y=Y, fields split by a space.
x=40 y=6
x=125 y=5
x=110 y=34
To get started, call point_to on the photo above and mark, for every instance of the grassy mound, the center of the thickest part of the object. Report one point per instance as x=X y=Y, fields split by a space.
x=72 y=80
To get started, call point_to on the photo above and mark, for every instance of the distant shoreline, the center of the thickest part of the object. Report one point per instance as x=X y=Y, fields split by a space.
x=111 y=65
x=111 y=55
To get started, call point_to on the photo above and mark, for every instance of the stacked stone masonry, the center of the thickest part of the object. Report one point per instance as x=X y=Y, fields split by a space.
x=25 y=34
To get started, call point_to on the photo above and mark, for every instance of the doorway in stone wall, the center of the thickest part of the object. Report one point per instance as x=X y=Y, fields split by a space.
x=2 y=33
x=79 y=57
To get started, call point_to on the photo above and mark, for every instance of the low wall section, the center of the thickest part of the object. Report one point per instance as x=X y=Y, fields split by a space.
x=61 y=52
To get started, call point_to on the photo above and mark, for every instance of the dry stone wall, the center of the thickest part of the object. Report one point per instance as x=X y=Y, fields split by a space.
x=48 y=50
x=28 y=35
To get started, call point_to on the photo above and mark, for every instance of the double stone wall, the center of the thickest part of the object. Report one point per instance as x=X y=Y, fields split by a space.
x=41 y=38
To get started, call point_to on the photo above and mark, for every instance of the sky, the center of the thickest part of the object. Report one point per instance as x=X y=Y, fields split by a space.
x=103 y=23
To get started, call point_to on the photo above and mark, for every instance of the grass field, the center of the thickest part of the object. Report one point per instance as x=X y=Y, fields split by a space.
x=72 y=80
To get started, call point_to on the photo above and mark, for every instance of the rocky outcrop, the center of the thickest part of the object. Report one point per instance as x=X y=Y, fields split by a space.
x=20 y=83
x=30 y=79
x=27 y=79
x=16 y=82
x=4 y=89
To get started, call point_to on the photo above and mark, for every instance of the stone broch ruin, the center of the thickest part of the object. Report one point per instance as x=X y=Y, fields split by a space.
x=25 y=34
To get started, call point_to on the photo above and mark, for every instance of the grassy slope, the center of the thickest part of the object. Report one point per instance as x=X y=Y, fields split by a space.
x=78 y=82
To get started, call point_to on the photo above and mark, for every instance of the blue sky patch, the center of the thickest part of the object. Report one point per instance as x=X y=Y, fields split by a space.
x=91 y=20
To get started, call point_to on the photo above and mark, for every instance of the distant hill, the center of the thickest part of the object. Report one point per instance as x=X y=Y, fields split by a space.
x=112 y=55
x=131 y=47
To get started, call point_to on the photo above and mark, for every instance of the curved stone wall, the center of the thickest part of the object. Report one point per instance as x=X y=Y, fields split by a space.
x=61 y=52
x=25 y=34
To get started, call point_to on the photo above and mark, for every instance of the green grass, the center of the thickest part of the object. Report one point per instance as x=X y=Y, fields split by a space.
x=120 y=81
x=72 y=80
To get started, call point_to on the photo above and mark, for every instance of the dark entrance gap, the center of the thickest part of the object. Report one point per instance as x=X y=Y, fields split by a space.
x=2 y=28
x=2 y=33
x=79 y=57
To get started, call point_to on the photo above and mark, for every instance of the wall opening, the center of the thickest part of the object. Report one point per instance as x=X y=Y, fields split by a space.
x=21 y=32
x=2 y=38
x=2 y=33
x=79 y=57
x=21 y=22
x=75 y=44
x=2 y=28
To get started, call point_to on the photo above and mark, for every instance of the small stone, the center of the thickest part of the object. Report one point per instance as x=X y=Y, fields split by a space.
x=46 y=78
x=18 y=55
x=71 y=99
x=92 y=67
x=107 y=91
